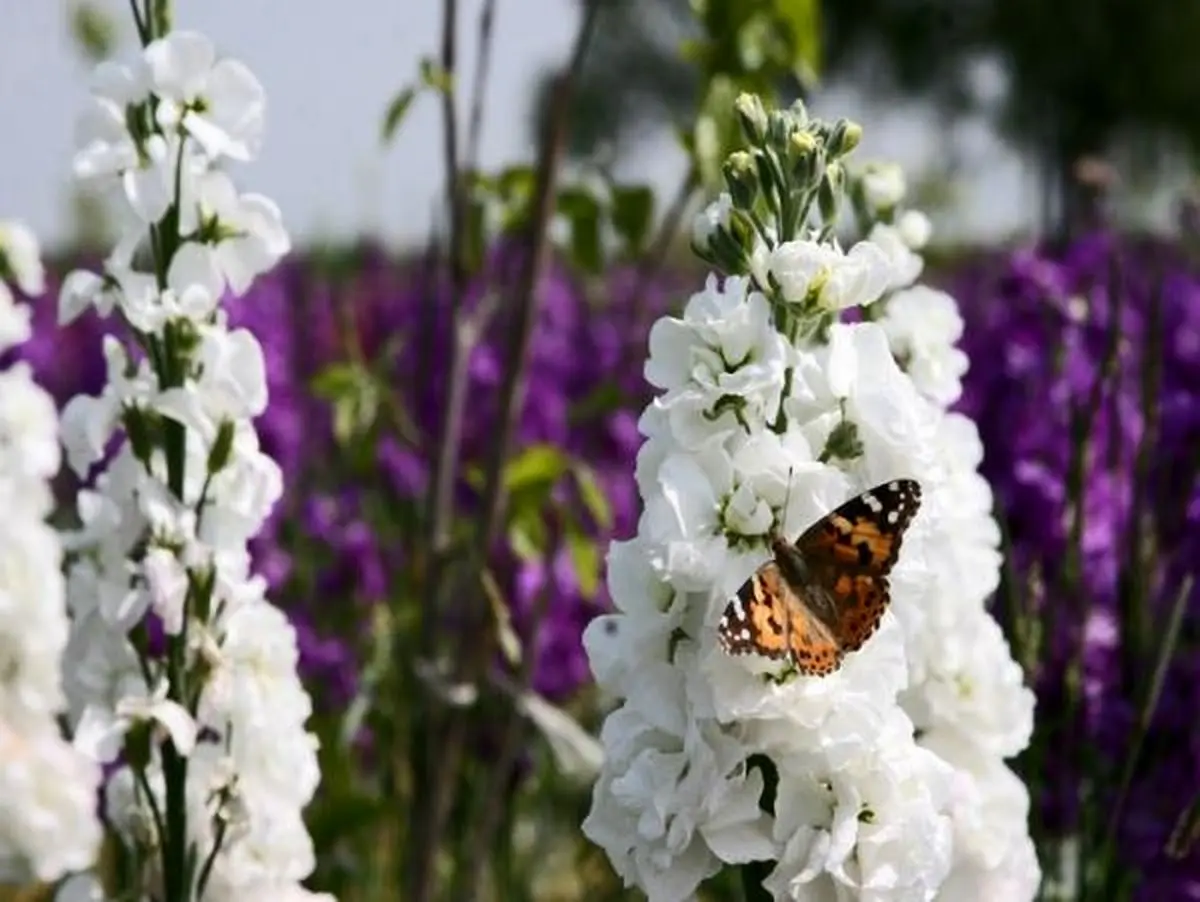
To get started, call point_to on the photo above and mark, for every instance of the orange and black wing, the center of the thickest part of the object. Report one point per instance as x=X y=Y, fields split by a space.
x=850 y=552
x=865 y=533
x=769 y=617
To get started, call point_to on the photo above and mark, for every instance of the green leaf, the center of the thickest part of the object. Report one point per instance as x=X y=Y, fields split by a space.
x=475 y=233
x=354 y=395
x=506 y=635
x=585 y=560
x=536 y=468
x=632 y=214
x=527 y=535
x=515 y=187
x=435 y=77
x=396 y=109
x=592 y=494
x=598 y=402
x=716 y=131
x=94 y=31
x=582 y=211
x=801 y=19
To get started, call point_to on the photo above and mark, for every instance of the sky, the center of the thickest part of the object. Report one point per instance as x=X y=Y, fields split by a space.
x=329 y=70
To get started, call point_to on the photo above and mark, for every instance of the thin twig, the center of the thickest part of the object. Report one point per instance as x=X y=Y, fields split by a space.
x=487 y=16
x=477 y=639
x=418 y=863
x=441 y=499
x=1162 y=664
x=491 y=797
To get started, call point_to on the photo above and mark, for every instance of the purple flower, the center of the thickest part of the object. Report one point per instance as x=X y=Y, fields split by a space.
x=1085 y=383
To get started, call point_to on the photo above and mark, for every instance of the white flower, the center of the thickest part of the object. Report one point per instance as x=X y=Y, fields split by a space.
x=670 y=808
x=245 y=232
x=15 y=326
x=255 y=695
x=242 y=495
x=923 y=326
x=883 y=185
x=29 y=451
x=47 y=819
x=167 y=585
x=220 y=104
x=904 y=265
x=648 y=611
x=48 y=825
x=870 y=821
x=82 y=289
x=88 y=421
x=755 y=434
x=33 y=626
x=100 y=730
x=165 y=525
x=711 y=218
x=143 y=162
x=975 y=687
x=20 y=257
x=914 y=228
x=807 y=272
x=193 y=290
x=995 y=858
x=722 y=363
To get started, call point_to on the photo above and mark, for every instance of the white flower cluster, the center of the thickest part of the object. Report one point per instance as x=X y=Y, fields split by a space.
x=48 y=823
x=883 y=780
x=176 y=658
x=965 y=692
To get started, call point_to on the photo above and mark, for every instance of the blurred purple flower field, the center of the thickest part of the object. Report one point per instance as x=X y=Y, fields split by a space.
x=1084 y=380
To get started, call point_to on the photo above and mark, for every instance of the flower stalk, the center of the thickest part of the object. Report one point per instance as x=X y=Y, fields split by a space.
x=187 y=668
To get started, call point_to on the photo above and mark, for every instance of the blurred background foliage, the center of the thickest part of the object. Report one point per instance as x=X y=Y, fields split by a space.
x=1116 y=79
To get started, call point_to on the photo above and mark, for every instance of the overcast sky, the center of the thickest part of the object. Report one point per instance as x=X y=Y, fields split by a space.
x=329 y=69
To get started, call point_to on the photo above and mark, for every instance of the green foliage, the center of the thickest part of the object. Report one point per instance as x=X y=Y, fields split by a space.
x=430 y=77
x=663 y=59
x=397 y=108
x=354 y=394
x=531 y=478
x=93 y=30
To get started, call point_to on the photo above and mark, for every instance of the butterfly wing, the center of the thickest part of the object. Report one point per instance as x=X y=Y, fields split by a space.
x=850 y=552
x=769 y=617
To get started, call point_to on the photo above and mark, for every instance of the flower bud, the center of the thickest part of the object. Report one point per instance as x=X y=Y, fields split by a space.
x=741 y=178
x=752 y=116
x=844 y=138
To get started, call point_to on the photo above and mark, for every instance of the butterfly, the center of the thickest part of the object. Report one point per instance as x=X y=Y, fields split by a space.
x=824 y=595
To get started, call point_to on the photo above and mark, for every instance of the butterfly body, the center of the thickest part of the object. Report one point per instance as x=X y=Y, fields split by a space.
x=824 y=595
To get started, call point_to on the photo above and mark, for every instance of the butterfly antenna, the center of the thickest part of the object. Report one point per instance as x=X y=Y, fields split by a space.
x=787 y=497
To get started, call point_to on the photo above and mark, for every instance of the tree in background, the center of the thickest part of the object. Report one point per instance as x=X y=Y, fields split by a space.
x=1085 y=78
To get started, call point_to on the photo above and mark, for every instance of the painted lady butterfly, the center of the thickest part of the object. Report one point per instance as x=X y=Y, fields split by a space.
x=824 y=595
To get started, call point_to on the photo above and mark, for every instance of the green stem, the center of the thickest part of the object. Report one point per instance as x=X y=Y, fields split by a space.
x=1166 y=652
x=753 y=873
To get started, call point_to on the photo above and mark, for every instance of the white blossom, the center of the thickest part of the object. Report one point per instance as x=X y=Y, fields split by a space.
x=903 y=263
x=923 y=326
x=822 y=274
x=219 y=103
x=164 y=527
x=753 y=434
x=48 y=825
x=711 y=218
x=883 y=185
x=22 y=257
